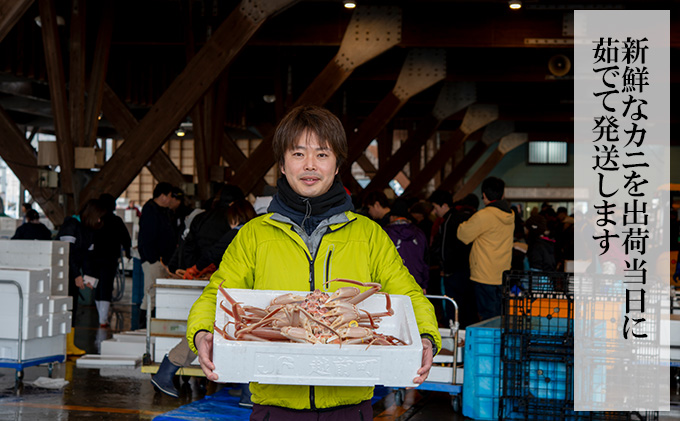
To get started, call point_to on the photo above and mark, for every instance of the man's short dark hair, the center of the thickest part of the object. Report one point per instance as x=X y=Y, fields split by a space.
x=562 y=209
x=376 y=196
x=161 y=189
x=32 y=215
x=314 y=119
x=470 y=200
x=441 y=197
x=493 y=188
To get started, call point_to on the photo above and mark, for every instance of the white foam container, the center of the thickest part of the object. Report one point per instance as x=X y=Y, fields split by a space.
x=174 y=303
x=33 y=327
x=119 y=347
x=32 y=254
x=60 y=304
x=32 y=281
x=321 y=364
x=33 y=348
x=34 y=304
x=59 y=323
x=164 y=345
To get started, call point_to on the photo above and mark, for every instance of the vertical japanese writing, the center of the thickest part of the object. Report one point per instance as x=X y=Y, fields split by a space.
x=619 y=150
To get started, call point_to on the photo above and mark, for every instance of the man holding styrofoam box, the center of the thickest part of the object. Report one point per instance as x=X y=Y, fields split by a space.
x=310 y=236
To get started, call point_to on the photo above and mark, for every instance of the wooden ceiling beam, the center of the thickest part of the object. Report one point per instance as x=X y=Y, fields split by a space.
x=76 y=88
x=22 y=159
x=100 y=63
x=382 y=29
x=10 y=13
x=452 y=98
x=59 y=100
x=506 y=144
x=476 y=117
x=150 y=134
x=160 y=165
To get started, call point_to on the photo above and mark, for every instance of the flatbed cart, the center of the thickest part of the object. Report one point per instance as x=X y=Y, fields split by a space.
x=19 y=364
x=443 y=370
x=167 y=328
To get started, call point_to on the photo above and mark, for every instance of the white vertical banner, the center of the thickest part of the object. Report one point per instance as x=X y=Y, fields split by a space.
x=622 y=175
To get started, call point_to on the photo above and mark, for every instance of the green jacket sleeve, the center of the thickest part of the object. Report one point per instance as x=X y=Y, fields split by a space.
x=388 y=269
x=236 y=270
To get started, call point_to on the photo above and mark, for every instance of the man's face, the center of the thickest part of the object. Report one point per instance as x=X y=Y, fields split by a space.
x=164 y=200
x=174 y=203
x=439 y=210
x=374 y=210
x=309 y=169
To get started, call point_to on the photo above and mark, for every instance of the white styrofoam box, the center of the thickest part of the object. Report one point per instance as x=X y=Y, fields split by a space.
x=163 y=345
x=101 y=361
x=34 y=254
x=33 y=348
x=131 y=336
x=439 y=374
x=59 y=323
x=33 y=327
x=174 y=303
x=117 y=347
x=317 y=364
x=60 y=304
x=32 y=281
x=59 y=281
x=33 y=304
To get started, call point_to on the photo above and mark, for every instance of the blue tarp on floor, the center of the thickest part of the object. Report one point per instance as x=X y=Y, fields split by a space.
x=222 y=406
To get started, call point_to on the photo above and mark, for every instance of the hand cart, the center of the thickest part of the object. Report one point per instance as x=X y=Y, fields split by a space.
x=19 y=364
x=444 y=364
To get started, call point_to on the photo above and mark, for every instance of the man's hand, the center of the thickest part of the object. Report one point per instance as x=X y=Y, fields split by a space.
x=204 y=344
x=424 y=370
x=79 y=282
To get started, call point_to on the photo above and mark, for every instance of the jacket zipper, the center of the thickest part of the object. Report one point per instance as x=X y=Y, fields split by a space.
x=312 y=404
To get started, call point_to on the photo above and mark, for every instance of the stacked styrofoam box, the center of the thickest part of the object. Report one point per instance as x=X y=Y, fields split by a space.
x=31 y=254
x=43 y=332
x=174 y=304
x=321 y=364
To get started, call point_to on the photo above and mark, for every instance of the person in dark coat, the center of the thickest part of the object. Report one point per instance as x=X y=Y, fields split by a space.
x=208 y=227
x=541 y=253
x=33 y=229
x=108 y=242
x=454 y=255
x=156 y=243
x=78 y=230
x=410 y=241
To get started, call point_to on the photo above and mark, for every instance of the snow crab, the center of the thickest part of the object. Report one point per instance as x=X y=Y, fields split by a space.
x=317 y=317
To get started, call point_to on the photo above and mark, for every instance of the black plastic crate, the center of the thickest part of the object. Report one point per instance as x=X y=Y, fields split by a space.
x=533 y=410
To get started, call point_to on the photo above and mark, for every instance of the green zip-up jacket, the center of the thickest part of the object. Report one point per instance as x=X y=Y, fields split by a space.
x=270 y=254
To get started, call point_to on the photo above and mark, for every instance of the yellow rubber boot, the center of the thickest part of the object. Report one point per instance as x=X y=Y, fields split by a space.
x=71 y=348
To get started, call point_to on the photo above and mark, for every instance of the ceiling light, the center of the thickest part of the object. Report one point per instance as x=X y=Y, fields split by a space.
x=60 y=21
x=180 y=132
x=515 y=4
x=269 y=98
x=350 y=4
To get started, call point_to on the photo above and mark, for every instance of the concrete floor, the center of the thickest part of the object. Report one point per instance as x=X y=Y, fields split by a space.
x=127 y=394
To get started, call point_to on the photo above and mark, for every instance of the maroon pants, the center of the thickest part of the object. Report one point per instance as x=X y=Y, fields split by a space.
x=359 y=412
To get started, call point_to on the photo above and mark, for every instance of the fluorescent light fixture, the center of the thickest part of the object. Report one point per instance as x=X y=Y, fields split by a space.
x=515 y=4
x=350 y=4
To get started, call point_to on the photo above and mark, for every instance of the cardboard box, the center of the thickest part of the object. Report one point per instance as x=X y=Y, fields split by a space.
x=321 y=365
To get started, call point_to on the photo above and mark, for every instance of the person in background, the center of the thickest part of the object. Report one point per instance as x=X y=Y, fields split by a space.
x=310 y=236
x=378 y=207
x=78 y=231
x=108 y=242
x=490 y=230
x=410 y=242
x=133 y=206
x=564 y=237
x=541 y=252
x=240 y=212
x=156 y=243
x=25 y=207
x=454 y=256
x=32 y=229
x=420 y=212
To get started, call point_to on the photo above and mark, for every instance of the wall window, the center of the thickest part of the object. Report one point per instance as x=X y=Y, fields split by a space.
x=547 y=152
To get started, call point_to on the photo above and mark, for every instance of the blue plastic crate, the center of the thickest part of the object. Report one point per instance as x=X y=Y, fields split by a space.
x=481 y=387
